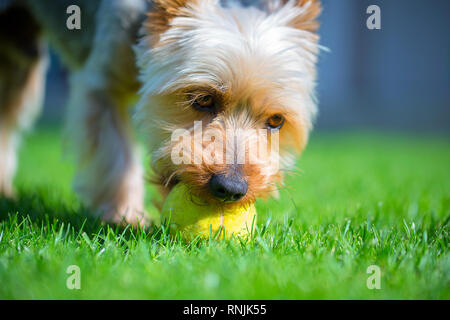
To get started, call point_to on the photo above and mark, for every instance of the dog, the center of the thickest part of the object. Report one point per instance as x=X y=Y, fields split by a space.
x=231 y=66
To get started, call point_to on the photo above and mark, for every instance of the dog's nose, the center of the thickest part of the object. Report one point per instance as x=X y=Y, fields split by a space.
x=228 y=188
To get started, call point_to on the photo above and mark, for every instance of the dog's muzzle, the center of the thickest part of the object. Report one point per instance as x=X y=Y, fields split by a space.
x=227 y=188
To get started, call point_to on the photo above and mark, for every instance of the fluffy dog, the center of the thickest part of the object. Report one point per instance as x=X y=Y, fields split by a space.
x=226 y=66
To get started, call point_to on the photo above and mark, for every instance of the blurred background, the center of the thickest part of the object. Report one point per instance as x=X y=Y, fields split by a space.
x=396 y=78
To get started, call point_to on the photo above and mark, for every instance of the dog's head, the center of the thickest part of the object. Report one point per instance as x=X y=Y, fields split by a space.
x=227 y=93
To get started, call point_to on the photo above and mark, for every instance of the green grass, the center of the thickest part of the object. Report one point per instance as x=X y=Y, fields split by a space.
x=360 y=199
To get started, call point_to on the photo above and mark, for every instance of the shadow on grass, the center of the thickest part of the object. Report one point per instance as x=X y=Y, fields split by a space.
x=47 y=213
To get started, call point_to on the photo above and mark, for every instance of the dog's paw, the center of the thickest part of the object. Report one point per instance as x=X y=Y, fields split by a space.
x=125 y=215
x=7 y=191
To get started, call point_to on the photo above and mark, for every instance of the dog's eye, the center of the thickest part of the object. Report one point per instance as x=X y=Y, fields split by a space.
x=204 y=103
x=275 y=122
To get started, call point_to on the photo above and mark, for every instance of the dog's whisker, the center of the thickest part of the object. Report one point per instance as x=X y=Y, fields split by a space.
x=169 y=179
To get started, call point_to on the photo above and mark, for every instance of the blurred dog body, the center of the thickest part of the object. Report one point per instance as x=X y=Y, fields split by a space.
x=103 y=84
x=232 y=65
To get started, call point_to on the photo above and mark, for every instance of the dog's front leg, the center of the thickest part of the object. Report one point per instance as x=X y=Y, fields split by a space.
x=23 y=64
x=109 y=174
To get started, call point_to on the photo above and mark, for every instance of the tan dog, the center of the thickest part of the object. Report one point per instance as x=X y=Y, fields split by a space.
x=233 y=67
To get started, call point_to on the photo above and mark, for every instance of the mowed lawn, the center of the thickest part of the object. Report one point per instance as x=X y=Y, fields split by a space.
x=358 y=199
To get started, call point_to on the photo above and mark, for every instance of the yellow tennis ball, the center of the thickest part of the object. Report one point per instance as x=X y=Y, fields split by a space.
x=193 y=217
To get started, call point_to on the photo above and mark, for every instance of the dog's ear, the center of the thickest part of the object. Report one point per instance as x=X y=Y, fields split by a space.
x=308 y=20
x=162 y=12
x=307 y=17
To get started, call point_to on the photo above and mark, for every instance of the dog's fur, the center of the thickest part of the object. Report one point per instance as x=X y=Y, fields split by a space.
x=256 y=59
